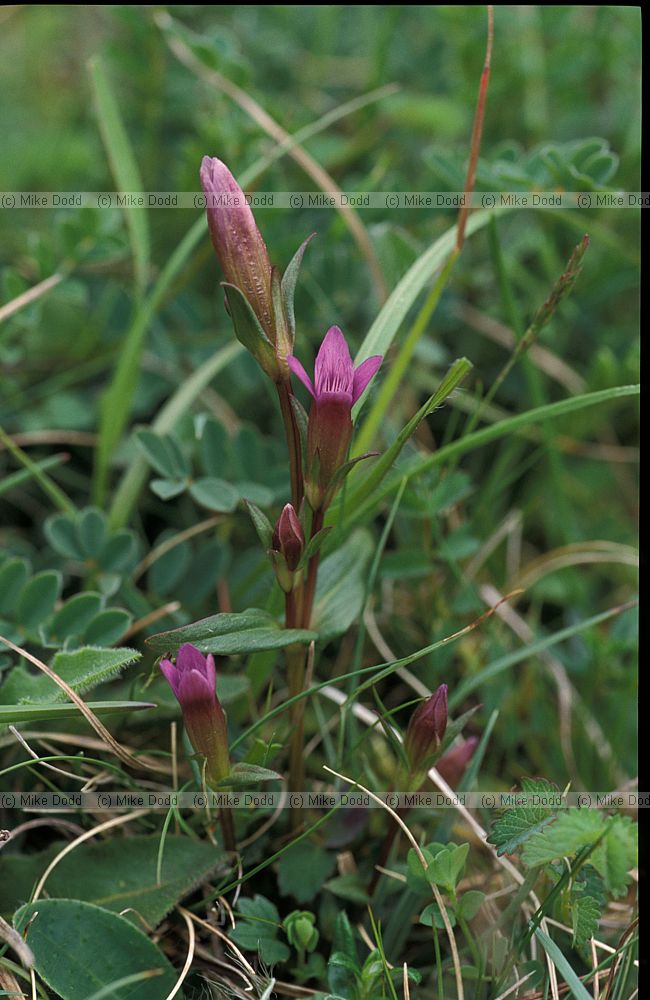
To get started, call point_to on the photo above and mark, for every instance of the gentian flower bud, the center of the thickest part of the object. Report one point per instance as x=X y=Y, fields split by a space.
x=253 y=289
x=238 y=242
x=193 y=680
x=287 y=547
x=453 y=764
x=426 y=729
x=336 y=387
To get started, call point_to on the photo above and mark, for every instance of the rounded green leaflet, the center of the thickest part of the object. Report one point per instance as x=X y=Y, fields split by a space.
x=91 y=531
x=37 y=599
x=80 y=949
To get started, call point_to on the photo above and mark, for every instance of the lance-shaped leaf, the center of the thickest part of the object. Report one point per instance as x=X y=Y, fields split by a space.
x=288 y=285
x=226 y=634
x=248 y=330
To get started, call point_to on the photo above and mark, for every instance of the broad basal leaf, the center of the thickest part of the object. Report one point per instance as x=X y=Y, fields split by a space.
x=80 y=949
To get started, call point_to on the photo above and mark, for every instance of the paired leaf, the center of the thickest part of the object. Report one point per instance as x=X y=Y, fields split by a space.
x=226 y=634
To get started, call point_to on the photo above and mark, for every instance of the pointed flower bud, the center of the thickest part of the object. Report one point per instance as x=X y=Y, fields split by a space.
x=453 y=764
x=287 y=547
x=238 y=242
x=336 y=387
x=193 y=680
x=426 y=729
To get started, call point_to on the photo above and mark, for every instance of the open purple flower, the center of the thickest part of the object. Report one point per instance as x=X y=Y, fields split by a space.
x=193 y=680
x=336 y=388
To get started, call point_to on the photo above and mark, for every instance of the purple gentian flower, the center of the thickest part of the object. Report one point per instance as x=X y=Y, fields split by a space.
x=336 y=387
x=193 y=680
x=426 y=729
x=238 y=242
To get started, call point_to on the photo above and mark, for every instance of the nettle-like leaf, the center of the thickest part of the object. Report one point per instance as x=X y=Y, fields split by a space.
x=517 y=825
x=617 y=854
x=585 y=914
x=565 y=836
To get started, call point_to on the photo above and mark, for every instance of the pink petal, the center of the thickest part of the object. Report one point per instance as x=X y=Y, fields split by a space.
x=298 y=370
x=171 y=674
x=363 y=374
x=333 y=370
x=190 y=658
x=194 y=687
x=216 y=178
x=211 y=672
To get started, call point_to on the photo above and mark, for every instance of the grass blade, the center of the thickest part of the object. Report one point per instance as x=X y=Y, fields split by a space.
x=123 y=167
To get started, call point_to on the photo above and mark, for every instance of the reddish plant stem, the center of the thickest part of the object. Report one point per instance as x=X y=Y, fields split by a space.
x=293 y=443
x=385 y=851
x=476 y=131
x=228 y=830
x=298 y=610
x=312 y=571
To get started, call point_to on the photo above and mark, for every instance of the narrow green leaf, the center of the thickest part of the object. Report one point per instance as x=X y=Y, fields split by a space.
x=243 y=632
x=289 y=280
x=357 y=509
x=376 y=473
x=562 y=965
x=261 y=523
x=124 y=168
x=384 y=329
x=12 y=714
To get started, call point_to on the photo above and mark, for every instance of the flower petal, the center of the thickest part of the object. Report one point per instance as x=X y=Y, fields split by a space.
x=298 y=370
x=171 y=675
x=364 y=373
x=333 y=370
x=211 y=673
x=190 y=658
x=194 y=687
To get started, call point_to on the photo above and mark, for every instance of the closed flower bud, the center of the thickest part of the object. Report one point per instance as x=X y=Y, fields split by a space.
x=453 y=764
x=426 y=729
x=238 y=242
x=287 y=547
x=193 y=680
x=300 y=929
